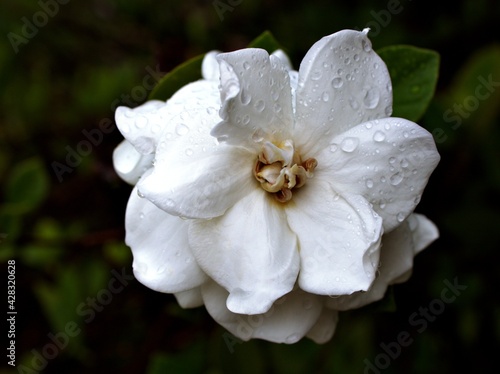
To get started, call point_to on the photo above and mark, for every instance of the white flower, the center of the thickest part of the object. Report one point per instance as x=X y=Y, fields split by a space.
x=272 y=188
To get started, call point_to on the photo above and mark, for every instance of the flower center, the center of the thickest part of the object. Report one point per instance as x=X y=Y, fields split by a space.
x=279 y=169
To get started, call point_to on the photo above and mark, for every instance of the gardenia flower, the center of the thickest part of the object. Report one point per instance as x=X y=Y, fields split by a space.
x=271 y=190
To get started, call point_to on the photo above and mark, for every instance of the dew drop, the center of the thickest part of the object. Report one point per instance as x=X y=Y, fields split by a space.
x=379 y=136
x=353 y=103
x=404 y=163
x=396 y=179
x=141 y=216
x=275 y=94
x=383 y=179
x=375 y=66
x=245 y=97
x=277 y=108
x=246 y=65
x=388 y=110
x=316 y=75
x=325 y=96
x=369 y=183
x=337 y=82
x=369 y=125
x=349 y=144
x=347 y=61
x=333 y=148
x=392 y=160
x=340 y=72
x=356 y=57
x=246 y=119
x=259 y=105
x=258 y=136
x=367 y=46
x=371 y=98
x=181 y=129
x=400 y=217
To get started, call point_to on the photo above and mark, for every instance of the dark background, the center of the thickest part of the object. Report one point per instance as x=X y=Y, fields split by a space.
x=66 y=233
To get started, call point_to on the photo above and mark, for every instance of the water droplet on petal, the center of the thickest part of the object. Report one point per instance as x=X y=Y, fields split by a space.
x=379 y=136
x=337 y=82
x=400 y=217
x=392 y=160
x=141 y=216
x=333 y=148
x=260 y=105
x=356 y=57
x=246 y=65
x=353 y=103
x=388 y=110
x=316 y=75
x=371 y=98
x=181 y=129
x=258 y=136
x=396 y=179
x=404 y=163
x=367 y=46
x=369 y=183
x=245 y=97
x=246 y=119
x=325 y=96
x=369 y=125
x=349 y=144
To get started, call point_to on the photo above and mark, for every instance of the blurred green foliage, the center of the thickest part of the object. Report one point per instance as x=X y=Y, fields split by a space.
x=68 y=75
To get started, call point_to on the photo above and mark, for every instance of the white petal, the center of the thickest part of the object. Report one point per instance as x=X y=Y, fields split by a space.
x=388 y=161
x=256 y=98
x=144 y=125
x=287 y=321
x=423 y=230
x=210 y=66
x=325 y=326
x=250 y=251
x=136 y=125
x=283 y=58
x=194 y=176
x=342 y=82
x=129 y=164
x=189 y=299
x=396 y=259
x=339 y=237
x=159 y=243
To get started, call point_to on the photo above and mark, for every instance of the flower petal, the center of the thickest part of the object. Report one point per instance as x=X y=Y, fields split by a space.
x=287 y=321
x=159 y=243
x=210 y=66
x=342 y=82
x=129 y=164
x=387 y=161
x=396 y=259
x=142 y=126
x=250 y=251
x=256 y=98
x=194 y=176
x=136 y=125
x=325 y=326
x=189 y=299
x=424 y=231
x=339 y=237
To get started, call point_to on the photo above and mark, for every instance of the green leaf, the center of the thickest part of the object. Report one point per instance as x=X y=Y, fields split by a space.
x=28 y=184
x=182 y=75
x=414 y=73
x=266 y=41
